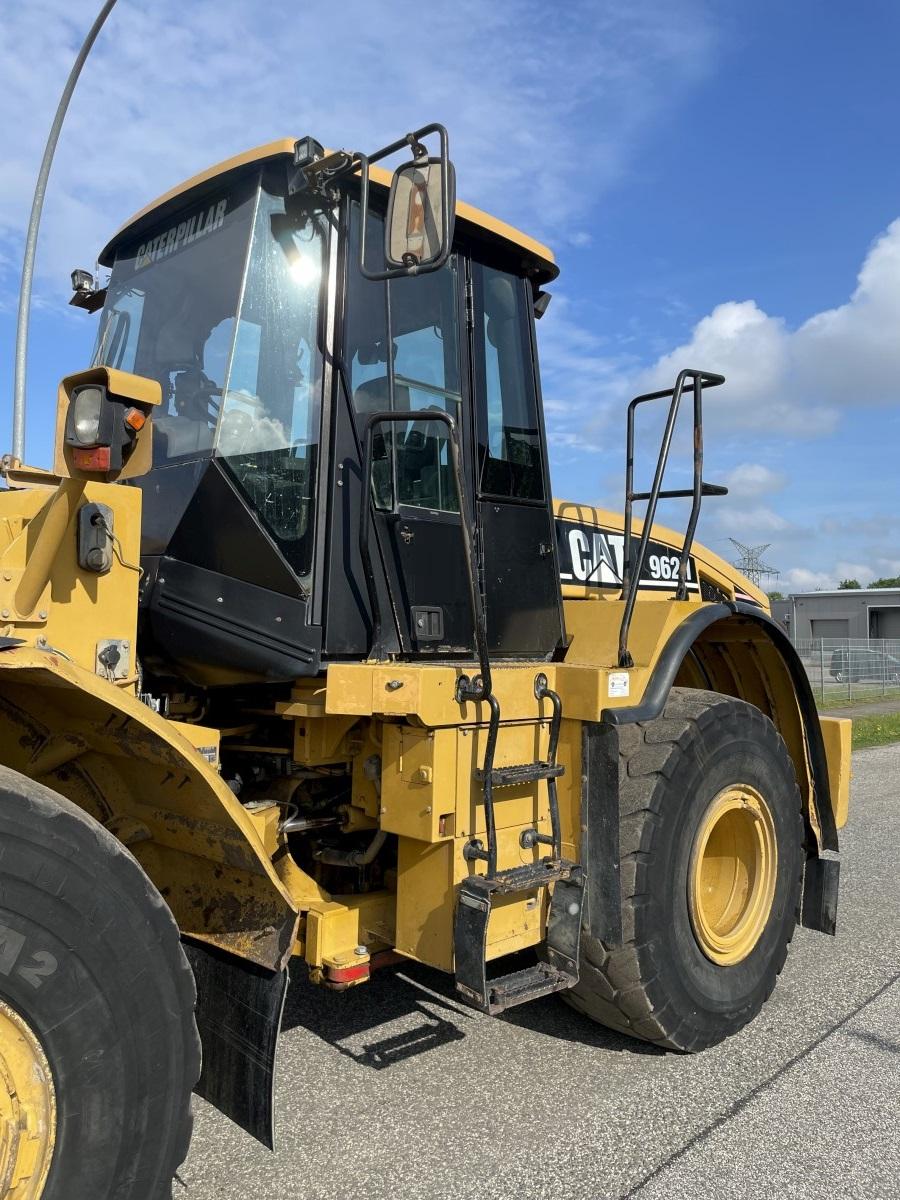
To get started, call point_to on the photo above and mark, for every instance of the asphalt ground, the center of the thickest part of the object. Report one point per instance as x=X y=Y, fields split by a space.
x=395 y=1090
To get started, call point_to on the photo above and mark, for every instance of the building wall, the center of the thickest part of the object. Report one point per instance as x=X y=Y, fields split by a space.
x=863 y=613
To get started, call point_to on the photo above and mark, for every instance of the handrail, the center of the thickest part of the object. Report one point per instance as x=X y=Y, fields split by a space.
x=632 y=571
x=478 y=688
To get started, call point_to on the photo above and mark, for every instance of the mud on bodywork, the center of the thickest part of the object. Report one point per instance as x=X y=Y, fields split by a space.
x=130 y=770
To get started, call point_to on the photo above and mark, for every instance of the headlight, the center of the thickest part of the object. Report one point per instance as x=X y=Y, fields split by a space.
x=87 y=410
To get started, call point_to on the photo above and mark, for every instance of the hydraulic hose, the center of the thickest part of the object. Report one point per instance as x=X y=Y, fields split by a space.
x=353 y=858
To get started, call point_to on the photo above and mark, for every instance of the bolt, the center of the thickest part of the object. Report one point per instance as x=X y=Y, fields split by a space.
x=393 y=685
x=572 y=910
x=7 y=576
x=219 y=600
x=361 y=950
x=5 y=613
x=42 y=615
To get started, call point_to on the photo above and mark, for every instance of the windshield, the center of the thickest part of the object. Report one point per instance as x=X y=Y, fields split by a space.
x=220 y=303
x=170 y=313
x=268 y=430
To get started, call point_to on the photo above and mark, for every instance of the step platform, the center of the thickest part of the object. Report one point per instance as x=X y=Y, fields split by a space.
x=521 y=773
x=558 y=965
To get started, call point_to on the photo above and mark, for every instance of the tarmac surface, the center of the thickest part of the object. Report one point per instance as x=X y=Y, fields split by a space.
x=394 y=1090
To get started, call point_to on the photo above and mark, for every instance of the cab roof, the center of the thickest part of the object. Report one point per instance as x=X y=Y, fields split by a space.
x=538 y=258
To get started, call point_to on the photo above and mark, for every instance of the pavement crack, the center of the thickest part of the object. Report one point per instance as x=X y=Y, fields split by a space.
x=740 y=1104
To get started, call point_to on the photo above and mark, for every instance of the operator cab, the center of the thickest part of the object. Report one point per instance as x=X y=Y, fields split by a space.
x=274 y=342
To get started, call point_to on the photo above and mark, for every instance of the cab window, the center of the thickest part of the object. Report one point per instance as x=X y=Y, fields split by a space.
x=402 y=353
x=510 y=462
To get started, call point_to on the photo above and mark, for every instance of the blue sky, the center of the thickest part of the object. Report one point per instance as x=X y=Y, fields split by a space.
x=720 y=183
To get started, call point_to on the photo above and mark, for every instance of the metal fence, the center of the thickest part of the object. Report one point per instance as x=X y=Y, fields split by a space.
x=852 y=669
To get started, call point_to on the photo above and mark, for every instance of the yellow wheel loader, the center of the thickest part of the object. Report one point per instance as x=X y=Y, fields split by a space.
x=302 y=668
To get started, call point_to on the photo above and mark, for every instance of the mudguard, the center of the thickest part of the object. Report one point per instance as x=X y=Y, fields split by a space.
x=134 y=772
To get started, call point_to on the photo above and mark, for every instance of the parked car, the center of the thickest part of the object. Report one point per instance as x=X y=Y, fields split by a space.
x=858 y=665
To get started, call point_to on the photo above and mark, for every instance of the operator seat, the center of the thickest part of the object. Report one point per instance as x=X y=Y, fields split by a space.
x=186 y=427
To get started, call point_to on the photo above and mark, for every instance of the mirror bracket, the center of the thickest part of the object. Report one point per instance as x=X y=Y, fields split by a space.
x=409 y=264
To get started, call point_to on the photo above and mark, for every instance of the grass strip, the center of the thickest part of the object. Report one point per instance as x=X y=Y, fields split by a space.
x=876 y=730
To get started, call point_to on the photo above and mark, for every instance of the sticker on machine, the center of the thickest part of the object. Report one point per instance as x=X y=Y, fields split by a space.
x=593 y=557
x=619 y=684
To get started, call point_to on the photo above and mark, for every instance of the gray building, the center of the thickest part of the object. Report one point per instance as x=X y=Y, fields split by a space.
x=854 y=613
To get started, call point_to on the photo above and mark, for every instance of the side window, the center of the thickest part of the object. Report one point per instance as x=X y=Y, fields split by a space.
x=509 y=441
x=402 y=354
x=117 y=342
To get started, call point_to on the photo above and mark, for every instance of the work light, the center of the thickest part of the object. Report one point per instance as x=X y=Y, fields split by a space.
x=86 y=414
x=100 y=428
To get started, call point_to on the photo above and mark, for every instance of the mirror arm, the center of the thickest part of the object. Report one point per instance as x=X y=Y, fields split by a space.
x=363 y=161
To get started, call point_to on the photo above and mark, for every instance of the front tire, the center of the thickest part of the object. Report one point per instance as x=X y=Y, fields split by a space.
x=711 y=859
x=98 y=1000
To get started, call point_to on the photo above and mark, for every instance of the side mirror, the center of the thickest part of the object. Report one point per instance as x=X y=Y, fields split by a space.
x=415 y=232
x=421 y=212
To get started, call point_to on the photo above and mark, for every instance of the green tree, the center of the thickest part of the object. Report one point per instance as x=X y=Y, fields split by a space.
x=886 y=583
x=776 y=595
x=847 y=585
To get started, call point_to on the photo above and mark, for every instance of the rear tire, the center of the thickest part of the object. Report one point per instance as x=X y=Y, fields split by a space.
x=92 y=965
x=666 y=984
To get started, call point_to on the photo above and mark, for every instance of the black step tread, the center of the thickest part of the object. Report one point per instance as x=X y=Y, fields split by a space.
x=520 y=879
x=538 y=980
x=521 y=773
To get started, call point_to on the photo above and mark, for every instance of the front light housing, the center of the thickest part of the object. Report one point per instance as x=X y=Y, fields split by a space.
x=86 y=415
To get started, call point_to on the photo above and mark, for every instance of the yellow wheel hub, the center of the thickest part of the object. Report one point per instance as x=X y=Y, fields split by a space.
x=731 y=881
x=27 y=1109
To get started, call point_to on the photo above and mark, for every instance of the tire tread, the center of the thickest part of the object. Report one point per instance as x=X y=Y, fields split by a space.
x=616 y=987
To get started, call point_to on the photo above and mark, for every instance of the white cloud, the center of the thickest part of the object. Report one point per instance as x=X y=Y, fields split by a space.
x=543 y=114
x=858 y=571
x=801 y=579
x=746 y=481
x=799 y=382
x=755 y=521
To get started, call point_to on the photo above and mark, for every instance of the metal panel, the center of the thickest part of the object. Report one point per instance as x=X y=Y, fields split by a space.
x=830 y=627
x=520 y=579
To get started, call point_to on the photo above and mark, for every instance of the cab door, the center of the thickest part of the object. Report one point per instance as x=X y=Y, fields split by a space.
x=406 y=353
x=515 y=509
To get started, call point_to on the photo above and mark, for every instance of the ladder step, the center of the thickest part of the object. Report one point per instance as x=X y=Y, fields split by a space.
x=557 y=966
x=519 y=879
x=541 y=979
x=522 y=773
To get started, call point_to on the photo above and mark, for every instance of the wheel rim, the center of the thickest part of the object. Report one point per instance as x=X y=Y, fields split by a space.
x=27 y=1109
x=731 y=883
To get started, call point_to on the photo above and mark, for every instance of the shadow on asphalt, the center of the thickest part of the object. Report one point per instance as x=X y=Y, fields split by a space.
x=422 y=1001
x=553 y=1017
x=342 y=1019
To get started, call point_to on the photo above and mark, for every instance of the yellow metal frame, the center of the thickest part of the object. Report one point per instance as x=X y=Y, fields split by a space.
x=133 y=771
x=223 y=867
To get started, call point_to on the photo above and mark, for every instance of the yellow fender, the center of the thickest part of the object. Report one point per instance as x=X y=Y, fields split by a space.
x=137 y=775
